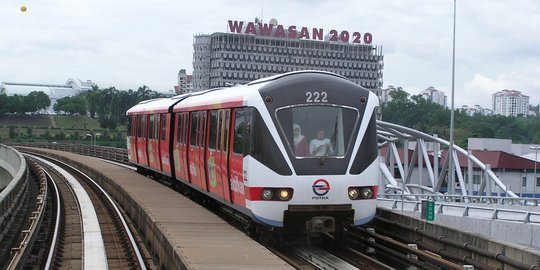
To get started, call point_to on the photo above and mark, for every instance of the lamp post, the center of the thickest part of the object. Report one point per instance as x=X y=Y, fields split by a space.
x=535 y=148
x=451 y=146
x=95 y=138
x=91 y=138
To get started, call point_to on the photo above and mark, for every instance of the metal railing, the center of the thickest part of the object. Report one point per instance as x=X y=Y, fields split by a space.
x=389 y=135
x=465 y=209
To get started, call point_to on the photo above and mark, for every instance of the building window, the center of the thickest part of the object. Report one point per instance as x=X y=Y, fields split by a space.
x=538 y=181
x=524 y=181
x=476 y=179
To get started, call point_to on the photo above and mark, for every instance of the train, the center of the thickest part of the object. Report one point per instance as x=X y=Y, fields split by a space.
x=290 y=152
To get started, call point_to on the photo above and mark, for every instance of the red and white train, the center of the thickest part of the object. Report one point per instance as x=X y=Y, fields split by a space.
x=292 y=150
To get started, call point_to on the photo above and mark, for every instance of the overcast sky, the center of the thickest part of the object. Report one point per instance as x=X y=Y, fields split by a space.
x=130 y=43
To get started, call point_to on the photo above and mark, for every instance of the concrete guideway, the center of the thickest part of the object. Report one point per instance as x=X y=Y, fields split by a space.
x=94 y=255
x=517 y=225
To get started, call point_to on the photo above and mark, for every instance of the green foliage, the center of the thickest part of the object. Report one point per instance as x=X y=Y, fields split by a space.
x=71 y=105
x=110 y=105
x=33 y=102
x=12 y=133
x=418 y=113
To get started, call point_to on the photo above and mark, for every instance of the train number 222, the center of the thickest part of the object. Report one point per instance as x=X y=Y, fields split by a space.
x=316 y=97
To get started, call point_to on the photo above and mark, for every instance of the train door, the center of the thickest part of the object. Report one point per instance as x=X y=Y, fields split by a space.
x=201 y=149
x=142 y=130
x=180 y=147
x=164 y=142
x=193 y=154
x=222 y=160
x=132 y=139
x=213 y=156
x=153 y=142
x=236 y=157
x=196 y=149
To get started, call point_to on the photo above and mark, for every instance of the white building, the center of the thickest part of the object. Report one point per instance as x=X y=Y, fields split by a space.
x=384 y=94
x=72 y=87
x=185 y=83
x=252 y=51
x=476 y=109
x=510 y=103
x=434 y=95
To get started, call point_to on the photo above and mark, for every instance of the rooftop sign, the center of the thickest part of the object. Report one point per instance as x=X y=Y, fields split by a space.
x=273 y=29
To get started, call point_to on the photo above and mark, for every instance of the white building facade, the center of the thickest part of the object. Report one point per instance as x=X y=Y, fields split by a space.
x=510 y=103
x=255 y=50
x=185 y=82
x=476 y=109
x=435 y=96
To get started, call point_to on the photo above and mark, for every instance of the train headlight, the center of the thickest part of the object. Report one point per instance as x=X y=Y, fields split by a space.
x=367 y=193
x=284 y=194
x=353 y=193
x=267 y=194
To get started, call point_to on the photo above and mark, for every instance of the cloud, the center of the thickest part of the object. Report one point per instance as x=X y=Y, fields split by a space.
x=481 y=87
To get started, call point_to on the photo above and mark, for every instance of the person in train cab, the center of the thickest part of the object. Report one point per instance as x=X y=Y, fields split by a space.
x=300 y=142
x=320 y=146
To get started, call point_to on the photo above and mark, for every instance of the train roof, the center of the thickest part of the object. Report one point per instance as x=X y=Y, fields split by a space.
x=216 y=98
x=158 y=105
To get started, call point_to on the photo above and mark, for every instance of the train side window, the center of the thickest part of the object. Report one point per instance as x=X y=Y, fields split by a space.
x=156 y=126
x=226 y=128
x=185 y=127
x=202 y=129
x=151 y=134
x=213 y=129
x=142 y=126
x=163 y=126
x=193 y=137
x=239 y=126
x=179 y=128
x=219 y=130
x=129 y=126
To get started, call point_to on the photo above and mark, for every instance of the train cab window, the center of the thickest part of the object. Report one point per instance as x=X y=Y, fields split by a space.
x=317 y=130
x=252 y=137
x=163 y=126
x=239 y=126
x=193 y=137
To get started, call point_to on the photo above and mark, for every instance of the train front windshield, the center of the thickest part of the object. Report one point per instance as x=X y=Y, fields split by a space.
x=315 y=131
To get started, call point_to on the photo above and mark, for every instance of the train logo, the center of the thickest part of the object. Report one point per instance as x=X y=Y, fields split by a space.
x=321 y=187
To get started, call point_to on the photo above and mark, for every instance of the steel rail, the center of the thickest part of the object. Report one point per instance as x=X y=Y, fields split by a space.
x=118 y=213
x=56 y=232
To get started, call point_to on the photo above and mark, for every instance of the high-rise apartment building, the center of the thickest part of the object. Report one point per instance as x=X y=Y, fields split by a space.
x=384 y=94
x=476 y=109
x=435 y=96
x=185 y=82
x=255 y=50
x=510 y=103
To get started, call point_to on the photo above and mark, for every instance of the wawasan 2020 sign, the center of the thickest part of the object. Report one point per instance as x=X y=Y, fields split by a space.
x=267 y=29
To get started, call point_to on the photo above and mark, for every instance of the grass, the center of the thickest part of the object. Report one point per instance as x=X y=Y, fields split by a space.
x=70 y=129
x=76 y=122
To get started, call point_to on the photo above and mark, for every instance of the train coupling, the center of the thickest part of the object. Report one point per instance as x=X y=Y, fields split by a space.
x=321 y=224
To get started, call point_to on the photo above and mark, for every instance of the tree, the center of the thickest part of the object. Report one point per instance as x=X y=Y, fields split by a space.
x=71 y=105
x=39 y=100
x=4 y=101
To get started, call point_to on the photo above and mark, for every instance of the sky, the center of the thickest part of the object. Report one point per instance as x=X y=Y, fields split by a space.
x=128 y=44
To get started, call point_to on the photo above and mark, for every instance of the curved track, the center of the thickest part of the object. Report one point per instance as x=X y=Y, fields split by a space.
x=90 y=231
